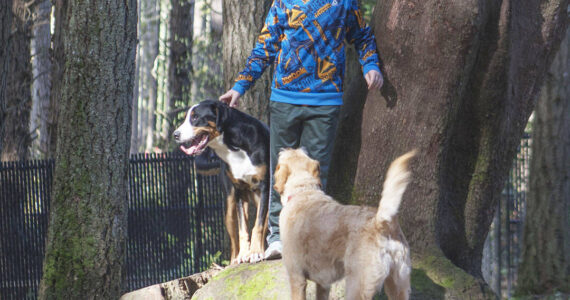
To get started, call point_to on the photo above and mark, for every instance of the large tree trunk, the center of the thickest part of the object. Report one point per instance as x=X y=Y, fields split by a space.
x=58 y=63
x=86 y=234
x=243 y=21
x=15 y=134
x=41 y=81
x=460 y=84
x=545 y=266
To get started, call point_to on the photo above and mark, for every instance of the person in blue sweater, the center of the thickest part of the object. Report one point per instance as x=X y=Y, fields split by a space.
x=305 y=40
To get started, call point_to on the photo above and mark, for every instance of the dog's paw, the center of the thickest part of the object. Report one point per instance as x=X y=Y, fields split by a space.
x=243 y=257
x=256 y=257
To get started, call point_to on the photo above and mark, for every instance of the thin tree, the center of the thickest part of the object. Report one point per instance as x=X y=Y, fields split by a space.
x=6 y=17
x=15 y=133
x=41 y=68
x=179 y=84
x=240 y=32
x=460 y=83
x=207 y=82
x=545 y=262
x=86 y=234
x=148 y=85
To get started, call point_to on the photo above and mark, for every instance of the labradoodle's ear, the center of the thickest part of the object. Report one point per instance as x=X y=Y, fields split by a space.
x=281 y=174
x=315 y=169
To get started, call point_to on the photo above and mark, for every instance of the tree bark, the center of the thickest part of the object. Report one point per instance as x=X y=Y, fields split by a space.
x=180 y=64
x=243 y=21
x=135 y=131
x=86 y=234
x=6 y=17
x=460 y=84
x=148 y=86
x=58 y=63
x=41 y=68
x=207 y=82
x=345 y=155
x=545 y=266
x=15 y=132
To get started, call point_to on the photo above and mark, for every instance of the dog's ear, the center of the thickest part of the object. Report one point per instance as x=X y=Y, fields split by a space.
x=315 y=169
x=280 y=176
x=220 y=110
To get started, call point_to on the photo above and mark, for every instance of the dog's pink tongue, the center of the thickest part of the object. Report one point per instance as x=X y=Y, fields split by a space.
x=189 y=151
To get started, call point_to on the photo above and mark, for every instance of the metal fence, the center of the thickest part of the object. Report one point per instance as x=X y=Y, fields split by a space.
x=504 y=241
x=175 y=222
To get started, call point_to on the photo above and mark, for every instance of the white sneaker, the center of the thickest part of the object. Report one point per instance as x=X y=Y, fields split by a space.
x=274 y=250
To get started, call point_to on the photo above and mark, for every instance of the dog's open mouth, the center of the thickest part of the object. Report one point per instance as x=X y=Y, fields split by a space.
x=196 y=145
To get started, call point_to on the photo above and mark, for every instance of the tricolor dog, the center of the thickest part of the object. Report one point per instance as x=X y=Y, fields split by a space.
x=242 y=142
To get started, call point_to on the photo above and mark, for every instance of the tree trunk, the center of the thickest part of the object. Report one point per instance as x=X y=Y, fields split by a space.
x=58 y=64
x=148 y=86
x=545 y=266
x=15 y=132
x=135 y=132
x=343 y=168
x=460 y=84
x=41 y=81
x=243 y=21
x=6 y=17
x=207 y=82
x=86 y=235
x=180 y=64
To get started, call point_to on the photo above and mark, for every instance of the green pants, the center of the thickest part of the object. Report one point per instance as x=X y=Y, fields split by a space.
x=294 y=126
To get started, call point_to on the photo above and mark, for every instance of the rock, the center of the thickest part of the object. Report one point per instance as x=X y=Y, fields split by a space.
x=182 y=288
x=264 y=280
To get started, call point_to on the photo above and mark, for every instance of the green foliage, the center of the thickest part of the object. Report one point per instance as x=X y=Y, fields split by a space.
x=367 y=7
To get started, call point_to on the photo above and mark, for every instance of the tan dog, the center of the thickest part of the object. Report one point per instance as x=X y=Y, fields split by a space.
x=324 y=241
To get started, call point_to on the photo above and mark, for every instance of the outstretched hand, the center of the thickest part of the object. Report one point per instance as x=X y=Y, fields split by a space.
x=231 y=98
x=374 y=79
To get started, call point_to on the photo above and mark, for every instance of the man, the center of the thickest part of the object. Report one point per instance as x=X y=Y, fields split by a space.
x=305 y=39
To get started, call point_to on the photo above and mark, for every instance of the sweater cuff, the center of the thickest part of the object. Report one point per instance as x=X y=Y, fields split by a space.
x=369 y=67
x=239 y=88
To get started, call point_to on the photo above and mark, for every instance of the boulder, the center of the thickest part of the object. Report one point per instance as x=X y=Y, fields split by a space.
x=264 y=280
x=182 y=288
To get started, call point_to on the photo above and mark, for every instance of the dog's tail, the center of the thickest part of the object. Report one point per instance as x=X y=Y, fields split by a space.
x=397 y=179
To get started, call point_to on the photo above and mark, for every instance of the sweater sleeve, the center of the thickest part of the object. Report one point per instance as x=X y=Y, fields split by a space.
x=263 y=54
x=361 y=36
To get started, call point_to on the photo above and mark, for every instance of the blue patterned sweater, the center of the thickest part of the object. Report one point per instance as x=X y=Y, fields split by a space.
x=305 y=40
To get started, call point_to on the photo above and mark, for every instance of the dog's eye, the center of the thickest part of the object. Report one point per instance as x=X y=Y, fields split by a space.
x=193 y=118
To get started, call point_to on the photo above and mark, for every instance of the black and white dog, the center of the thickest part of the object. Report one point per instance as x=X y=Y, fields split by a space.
x=242 y=142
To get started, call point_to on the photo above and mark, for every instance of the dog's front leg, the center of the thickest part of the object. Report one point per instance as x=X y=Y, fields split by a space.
x=242 y=213
x=260 y=227
x=232 y=223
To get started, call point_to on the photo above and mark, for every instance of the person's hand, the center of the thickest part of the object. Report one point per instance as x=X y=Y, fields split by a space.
x=231 y=98
x=374 y=79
